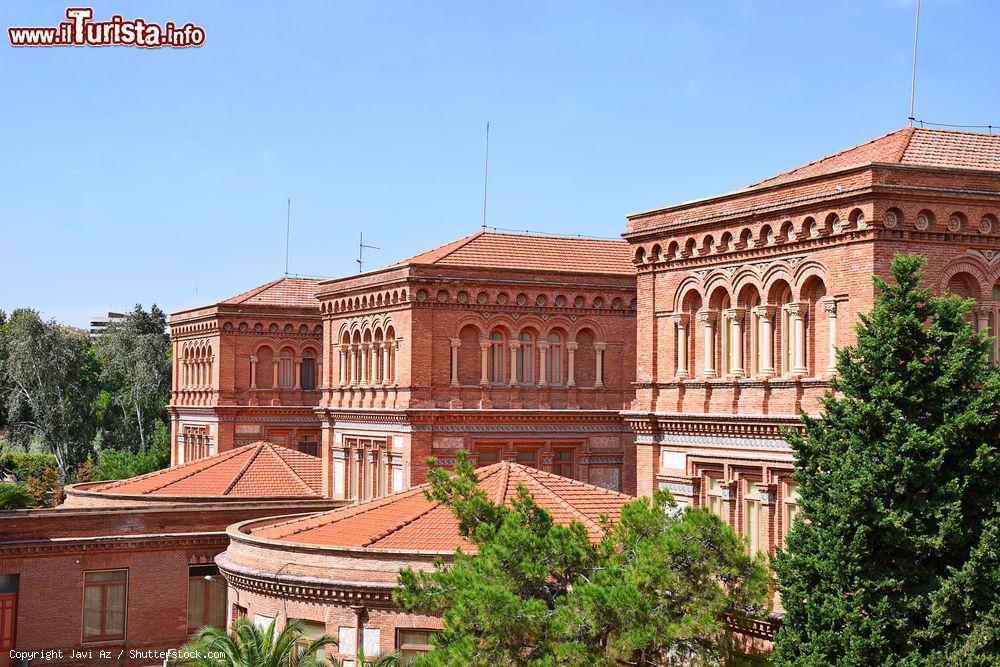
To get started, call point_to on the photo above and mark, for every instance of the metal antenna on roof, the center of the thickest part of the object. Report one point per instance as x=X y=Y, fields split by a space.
x=913 y=73
x=288 y=226
x=361 y=249
x=486 y=172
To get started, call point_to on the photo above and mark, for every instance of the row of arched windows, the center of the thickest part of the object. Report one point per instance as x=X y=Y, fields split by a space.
x=753 y=335
x=196 y=361
x=527 y=357
x=368 y=356
x=985 y=314
x=286 y=370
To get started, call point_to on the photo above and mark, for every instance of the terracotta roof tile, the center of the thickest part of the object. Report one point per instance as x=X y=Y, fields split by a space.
x=260 y=470
x=410 y=521
x=530 y=252
x=285 y=291
x=907 y=145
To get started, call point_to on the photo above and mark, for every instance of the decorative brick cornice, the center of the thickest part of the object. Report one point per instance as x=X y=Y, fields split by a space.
x=652 y=424
x=76 y=545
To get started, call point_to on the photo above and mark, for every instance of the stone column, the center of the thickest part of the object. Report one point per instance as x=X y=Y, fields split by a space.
x=735 y=316
x=274 y=375
x=982 y=318
x=253 y=371
x=830 y=308
x=682 y=347
x=298 y=374
x=514 y=347
x=386 y=375
x=365 y=356
x=766 y=341
x=571 y=362
x=707 y=319
x=797 y=311
x=600 y=348
x=543 y=363
x=456 y=344
x=345 y=365
x=484 y=359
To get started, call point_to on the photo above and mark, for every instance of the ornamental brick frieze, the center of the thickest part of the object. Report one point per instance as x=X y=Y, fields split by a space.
x=40 y=548
x=755 y=426
x=308 y=590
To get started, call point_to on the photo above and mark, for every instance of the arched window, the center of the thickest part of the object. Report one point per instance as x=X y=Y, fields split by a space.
x=265 y=368
x=554 y=370
x=496 y=357
x=526 y=359
x=286 y=377
x=308 y=370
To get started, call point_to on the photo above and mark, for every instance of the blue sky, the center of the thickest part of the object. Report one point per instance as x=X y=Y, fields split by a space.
x=138 y=176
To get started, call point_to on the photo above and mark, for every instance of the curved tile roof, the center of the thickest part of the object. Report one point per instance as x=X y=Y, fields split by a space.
x=260 y=470
x=530 y=252
x=409 y=521
x=907 y=145
x=284 y=291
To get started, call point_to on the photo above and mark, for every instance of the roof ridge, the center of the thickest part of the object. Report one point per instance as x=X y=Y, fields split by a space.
x=243 y=296
x=906 y=144
x=505 y=482
x=281 y=458
x=238 y=476
x=559 y=499
x=460 y=242
x=575 y=482
x=347 y=511
x=191 y=467
x=431 y=506
x=830 y=156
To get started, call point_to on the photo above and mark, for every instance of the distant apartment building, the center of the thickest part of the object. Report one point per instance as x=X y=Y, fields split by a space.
x=99 y=324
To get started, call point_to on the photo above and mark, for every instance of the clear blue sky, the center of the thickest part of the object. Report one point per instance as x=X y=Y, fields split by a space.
x=138 y=176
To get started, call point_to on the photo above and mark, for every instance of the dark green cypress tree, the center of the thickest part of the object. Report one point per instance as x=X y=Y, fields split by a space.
x=893 y=557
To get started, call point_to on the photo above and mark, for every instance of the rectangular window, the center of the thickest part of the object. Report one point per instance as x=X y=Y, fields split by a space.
x=347 y=644
x=791 y=506
x=311 y=631
x=206 y=597
x=308 y=373
x=308 y=445
x=105 y=594
x=562 y=462
x=411 y=643
x=714 y=498
x=528 y=457
x=753 y=516
x=487 y=457
x=372 y=640
x=239 y=611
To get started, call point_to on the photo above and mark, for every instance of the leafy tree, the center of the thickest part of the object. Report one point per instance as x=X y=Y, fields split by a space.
x=134 y=354
x=16 y=497
x=253 y=646
x=655 y=590
x=122 y=464
x=22 y=466
x=48 y=399
x=893 y=558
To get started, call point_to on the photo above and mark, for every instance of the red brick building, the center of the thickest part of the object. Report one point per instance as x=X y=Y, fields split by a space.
x=512 y=346
x=744 y=296
x=335 y=571
x=129 y=566
x=247 y=369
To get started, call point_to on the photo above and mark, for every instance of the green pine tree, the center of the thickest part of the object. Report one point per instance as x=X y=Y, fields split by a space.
x=657 y=589
x=893 y=557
